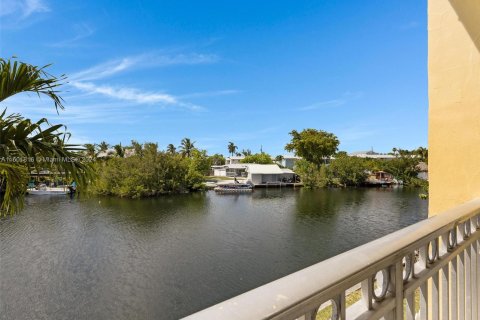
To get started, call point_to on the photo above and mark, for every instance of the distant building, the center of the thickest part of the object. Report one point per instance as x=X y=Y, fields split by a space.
x=234 y=159
x=128 y=152
x=372 y=155
x=264 y=174
x=288 y=161
x=107 y=153
x=230 y=170
x=422 y=168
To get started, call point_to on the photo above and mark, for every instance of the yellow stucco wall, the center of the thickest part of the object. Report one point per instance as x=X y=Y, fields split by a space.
x=454 y=102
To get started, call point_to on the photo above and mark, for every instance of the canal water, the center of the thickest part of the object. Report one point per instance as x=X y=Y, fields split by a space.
x=105 y=258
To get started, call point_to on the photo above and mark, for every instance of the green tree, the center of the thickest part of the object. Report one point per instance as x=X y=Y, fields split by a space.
x=313 y=145
x=259 y=158
x=311 y=176
x=347 y=171
x=90 y=150
x=137 y=147
x=187 y=147
x=246 y=152
x=32 y=144
x=232 y=148
x=119 y=150
x=103 y=146
x=171 y=149
x=217 y=159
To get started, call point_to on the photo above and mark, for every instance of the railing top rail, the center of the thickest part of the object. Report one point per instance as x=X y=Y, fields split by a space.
x=338 y=273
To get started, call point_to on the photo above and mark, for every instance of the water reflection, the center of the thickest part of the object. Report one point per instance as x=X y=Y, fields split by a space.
x=96 y=258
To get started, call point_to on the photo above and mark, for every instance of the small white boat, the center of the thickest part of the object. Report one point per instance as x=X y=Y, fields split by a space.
x=234 y=188
x=48 y=191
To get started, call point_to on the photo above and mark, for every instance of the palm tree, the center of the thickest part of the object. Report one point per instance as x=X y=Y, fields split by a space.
x=103 y=146
x=171 y=149
x=186 y=147
x=247 y=152
x=119 y=150
x=232 y=148
x=32 y=143
x=90 y=149
x=137 y=148
x=17 y=77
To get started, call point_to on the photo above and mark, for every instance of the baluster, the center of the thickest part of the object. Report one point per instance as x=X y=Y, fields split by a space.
x=477 y=271
x=339 y=312
x=367 y=292
x=435 y=296
x=454 y=289
x=424 y=286
x=398 y=283
x=473 y=273
x=444 y=285
x=409 y=276
x=461 y=276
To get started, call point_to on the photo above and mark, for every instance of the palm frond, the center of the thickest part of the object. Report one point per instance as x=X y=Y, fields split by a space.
x=12 y=178
x=17 y=77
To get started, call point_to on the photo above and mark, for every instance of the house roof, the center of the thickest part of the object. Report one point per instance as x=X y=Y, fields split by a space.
x=372 y=156
x=285 y=170
x=422 y=167
x=236 y=165
x=290 y=156
x=264 y=169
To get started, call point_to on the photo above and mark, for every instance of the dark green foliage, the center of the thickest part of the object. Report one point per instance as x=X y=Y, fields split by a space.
x=347 y=171
x=217 y=159
x=151 y=173
x=259 y=158
x=311 y=176
x=313 y=145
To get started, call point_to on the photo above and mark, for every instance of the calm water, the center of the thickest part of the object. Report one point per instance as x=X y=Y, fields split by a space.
x=101 y=258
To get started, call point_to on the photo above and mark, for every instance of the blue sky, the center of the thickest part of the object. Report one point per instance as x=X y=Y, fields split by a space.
x=219 y=71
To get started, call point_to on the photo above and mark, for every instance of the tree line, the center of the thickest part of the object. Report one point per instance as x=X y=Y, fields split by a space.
x=26 y=146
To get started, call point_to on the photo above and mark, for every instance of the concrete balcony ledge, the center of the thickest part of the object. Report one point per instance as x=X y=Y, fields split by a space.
x=443 y=249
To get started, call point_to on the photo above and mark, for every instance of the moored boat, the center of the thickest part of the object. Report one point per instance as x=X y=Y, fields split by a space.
x=233 y=188
x=48 y=191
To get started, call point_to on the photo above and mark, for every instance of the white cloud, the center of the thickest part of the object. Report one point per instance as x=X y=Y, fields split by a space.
x=104 y=70
x=210 y=93
x=82 y=31
x=134 y=95
x=344 y=99
x=128 y=94
x=22 y=9
x=147 y=60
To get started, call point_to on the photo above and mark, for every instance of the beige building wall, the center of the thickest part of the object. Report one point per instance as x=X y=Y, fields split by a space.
x=454 y=102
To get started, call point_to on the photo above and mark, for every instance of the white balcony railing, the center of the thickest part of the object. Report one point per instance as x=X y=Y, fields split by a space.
x=429 y=270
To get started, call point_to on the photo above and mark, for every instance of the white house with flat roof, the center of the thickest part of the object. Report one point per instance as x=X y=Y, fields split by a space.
x=259 y=174
x=230 y=170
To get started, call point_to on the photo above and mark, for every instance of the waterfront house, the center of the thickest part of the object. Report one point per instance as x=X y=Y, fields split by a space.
x=431 y=269
x=266 y=174
x=230 y=170
x=379 y=178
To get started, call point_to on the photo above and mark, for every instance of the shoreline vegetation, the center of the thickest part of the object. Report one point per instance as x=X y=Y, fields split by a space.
x=142 y=170
x=150 y=172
